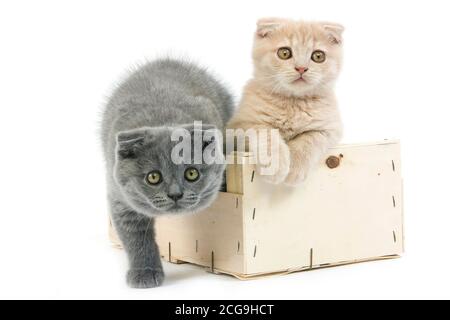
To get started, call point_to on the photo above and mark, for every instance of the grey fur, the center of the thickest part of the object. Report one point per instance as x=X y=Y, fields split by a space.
x=136 y=128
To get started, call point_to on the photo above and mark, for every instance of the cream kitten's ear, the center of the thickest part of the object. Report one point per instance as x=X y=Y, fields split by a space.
x=334 y=31
x=267 y=25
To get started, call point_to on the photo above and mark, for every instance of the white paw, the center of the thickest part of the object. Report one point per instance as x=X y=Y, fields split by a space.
x=296 y=177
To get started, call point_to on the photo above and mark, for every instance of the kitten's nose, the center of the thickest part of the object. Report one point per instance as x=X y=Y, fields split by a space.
x=302 y=70
x=175 y=196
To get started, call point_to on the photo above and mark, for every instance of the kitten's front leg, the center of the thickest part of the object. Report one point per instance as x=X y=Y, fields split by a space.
x=307 y=150
x=137 y=234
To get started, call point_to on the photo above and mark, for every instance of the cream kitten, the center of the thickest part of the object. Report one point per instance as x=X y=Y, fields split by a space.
x=295 y=68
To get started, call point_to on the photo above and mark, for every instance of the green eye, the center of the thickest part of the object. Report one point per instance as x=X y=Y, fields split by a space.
x=318 y=56
x=284 y=53
x=154 y=177
x=191 y=174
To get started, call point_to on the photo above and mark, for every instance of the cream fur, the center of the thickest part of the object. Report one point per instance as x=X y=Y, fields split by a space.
x=305 y=112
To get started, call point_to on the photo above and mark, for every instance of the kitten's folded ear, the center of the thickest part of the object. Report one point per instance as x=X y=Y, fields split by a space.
x=198 y=127
x=129 y=142
x=334 y=31
x=209 y=133
x=206 y=142
x=266 y=26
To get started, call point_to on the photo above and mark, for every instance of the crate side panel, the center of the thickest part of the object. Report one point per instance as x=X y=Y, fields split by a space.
x=211 y=238
x=352 y=212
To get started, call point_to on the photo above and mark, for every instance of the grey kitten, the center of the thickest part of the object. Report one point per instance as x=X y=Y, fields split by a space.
x=143 y=182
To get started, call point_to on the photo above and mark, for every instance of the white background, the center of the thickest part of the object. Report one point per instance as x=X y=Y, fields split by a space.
x=60 y=59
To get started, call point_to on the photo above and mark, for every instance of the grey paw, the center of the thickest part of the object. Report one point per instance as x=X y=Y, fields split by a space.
x=145 y=278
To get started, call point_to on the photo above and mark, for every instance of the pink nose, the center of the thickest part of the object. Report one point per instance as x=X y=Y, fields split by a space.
x=302 y=70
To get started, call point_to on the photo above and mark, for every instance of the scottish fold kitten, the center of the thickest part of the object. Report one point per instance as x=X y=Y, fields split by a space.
x=295 y=68
x=143 y=182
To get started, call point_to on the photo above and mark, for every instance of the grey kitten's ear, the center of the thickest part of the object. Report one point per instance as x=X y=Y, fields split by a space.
x=129 y=143
x=334 y=32
x=266 y=26
x=209 y=133
x=206 y=144
x=199 y=128
x=196 y=127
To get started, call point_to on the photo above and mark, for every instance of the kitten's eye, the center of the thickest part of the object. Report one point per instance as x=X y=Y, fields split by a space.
x=154 y=177
x=318 y=56
x=284 y=53
x=191 y=174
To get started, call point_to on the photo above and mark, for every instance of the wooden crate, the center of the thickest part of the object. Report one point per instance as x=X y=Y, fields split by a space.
x=349 y=213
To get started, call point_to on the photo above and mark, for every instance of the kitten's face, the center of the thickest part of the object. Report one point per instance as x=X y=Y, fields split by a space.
x=297 y=58
x=152 y=184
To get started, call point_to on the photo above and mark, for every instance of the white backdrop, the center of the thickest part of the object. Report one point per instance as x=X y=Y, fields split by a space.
x=58 y=61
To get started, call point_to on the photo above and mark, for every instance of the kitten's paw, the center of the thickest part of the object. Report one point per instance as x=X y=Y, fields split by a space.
x=295 y=177
x=277 y=171
x=145 y=278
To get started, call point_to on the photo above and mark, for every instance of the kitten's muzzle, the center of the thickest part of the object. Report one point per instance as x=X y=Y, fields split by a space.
x=301 y=70
x=175 y=196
